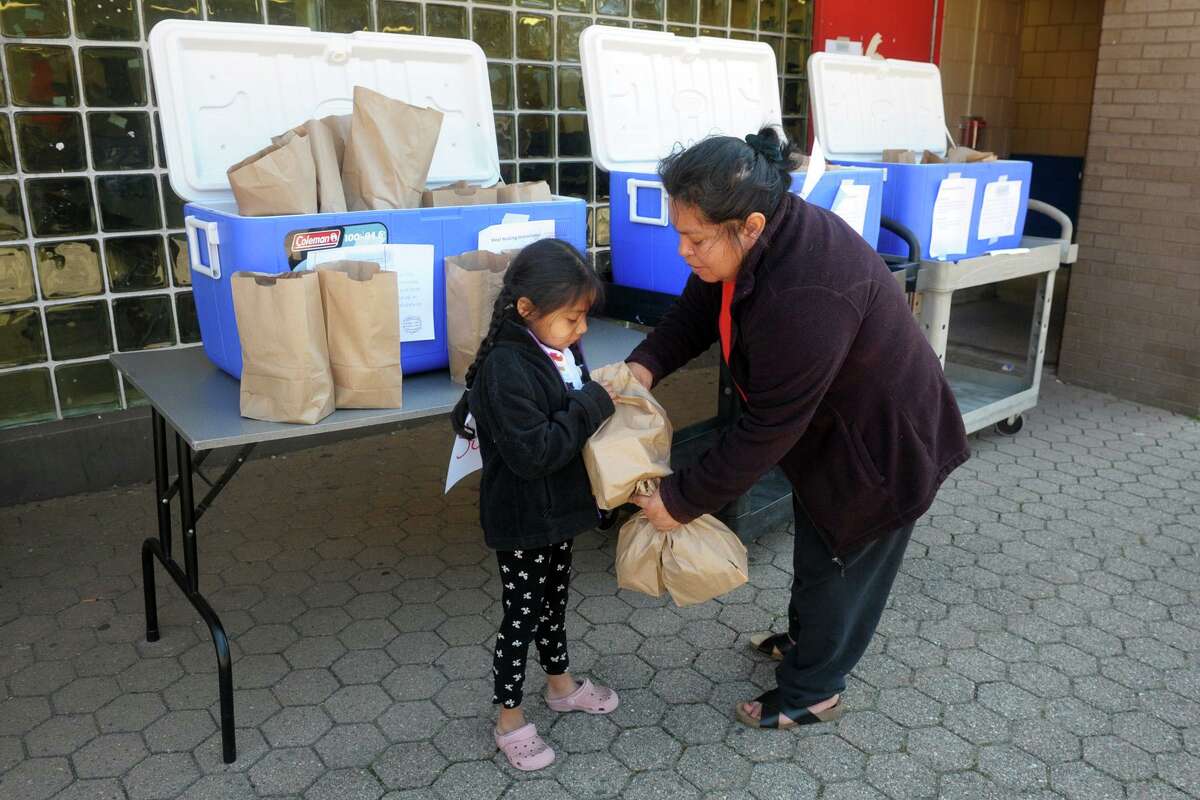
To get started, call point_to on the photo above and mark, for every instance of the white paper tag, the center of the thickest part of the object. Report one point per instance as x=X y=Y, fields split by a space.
x=464 y=458
x=814 y=171
x=514 y=236
x=413 y=265
x=952 y=216
x=512 y=219
x=1001 y=206
x=851 y=204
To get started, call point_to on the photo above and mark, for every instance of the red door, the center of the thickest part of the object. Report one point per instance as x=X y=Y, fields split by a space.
x=911 y=29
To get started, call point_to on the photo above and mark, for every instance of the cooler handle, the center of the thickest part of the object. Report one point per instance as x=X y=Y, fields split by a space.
x=213 y=268
x=632 y=187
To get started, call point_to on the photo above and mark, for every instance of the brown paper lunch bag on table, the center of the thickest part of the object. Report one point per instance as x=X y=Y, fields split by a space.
x=632 y=445
x=362 y=323
x=280 y=179
x=285 y=356
x=473 y=281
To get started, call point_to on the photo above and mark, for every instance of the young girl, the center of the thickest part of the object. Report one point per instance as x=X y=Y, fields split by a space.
x=534 y=407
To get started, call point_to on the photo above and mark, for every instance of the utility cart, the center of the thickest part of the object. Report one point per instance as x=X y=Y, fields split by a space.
x=988 y=397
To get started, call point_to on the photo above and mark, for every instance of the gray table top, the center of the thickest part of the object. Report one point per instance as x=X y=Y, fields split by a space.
x=202 y=403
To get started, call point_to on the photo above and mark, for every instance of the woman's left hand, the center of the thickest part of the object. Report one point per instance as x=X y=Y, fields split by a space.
x=655 y=511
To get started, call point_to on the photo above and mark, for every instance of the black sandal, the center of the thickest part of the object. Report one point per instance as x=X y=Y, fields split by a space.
x=770 y=717
x=774 y=645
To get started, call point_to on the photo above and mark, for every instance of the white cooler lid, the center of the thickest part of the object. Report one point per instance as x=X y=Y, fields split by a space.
x=863 y=106
x=648 y=91
x=224 y=89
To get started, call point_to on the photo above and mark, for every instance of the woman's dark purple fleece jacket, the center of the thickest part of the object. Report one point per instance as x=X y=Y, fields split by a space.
x=843 y=392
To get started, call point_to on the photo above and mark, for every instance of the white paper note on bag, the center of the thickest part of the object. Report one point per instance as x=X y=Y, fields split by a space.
x=851 y=204
x=499 y=238
x=952 y=216
x=464 y=458
x=1001 y=206
x=413 y=265
x=814 y=171
x=512 y=219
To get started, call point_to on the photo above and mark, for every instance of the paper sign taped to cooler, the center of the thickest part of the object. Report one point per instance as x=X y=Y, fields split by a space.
x=851 y=204
x=1001 y=207
x=952 y=216
x=464 y=458
x=514 y=236
x=413 y=265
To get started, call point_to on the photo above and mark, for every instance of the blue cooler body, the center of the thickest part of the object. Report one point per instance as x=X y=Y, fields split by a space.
x=281 y=244
x=225 y=89
x=910 y=191
x=863 y=106
x=645 y=246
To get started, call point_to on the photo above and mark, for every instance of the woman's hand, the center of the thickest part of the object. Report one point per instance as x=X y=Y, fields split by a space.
x=643 y=375
x=655 y=511
x=612 y=393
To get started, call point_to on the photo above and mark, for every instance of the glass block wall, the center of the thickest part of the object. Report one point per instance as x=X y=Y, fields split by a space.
x=92 y=255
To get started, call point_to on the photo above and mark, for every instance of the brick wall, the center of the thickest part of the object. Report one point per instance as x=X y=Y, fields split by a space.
x=1059 y=43
x=1133 y=317
x=996 y=49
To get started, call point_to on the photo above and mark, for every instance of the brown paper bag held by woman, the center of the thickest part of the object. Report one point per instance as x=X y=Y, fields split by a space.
x=285 y=358
x=694 y=562
x=362 y=323
x=280 y=179
x=633 y=445
x=389 y=152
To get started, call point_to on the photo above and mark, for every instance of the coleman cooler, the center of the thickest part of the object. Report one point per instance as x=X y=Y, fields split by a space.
x=863 y=106
x=225 y=89
x=650 y=93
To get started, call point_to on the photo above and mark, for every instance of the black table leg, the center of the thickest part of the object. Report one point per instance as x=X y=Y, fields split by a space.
x=188 y=577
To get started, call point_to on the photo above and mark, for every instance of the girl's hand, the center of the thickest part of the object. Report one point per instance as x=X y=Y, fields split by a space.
x=612 y=393
x=642 y=374
x=655 y=511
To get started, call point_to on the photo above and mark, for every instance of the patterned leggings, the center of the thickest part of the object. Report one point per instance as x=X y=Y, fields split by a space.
x=535 y=607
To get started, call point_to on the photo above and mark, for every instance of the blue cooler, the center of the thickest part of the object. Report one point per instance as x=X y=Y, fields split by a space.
x=225 y=89
x=863 y=106
x=650 y=92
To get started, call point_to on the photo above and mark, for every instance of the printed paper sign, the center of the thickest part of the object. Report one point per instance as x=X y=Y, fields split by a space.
x=464 y=458
x=514 y=236
x=851 y=204
x=413 y=265
x=952 y=216
x=1001 y=206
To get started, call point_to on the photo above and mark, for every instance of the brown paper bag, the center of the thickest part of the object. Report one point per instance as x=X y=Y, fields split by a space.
x=285 y=357
x=695 y=562
x=327 y=140
x=632 y=445
x=901 y=156
x=388 y=153
x=280 y=179
x=473 y=281
x=702 y=560
x=362 y=325
x=528 y=192
x=460 y=194
x=639 y=557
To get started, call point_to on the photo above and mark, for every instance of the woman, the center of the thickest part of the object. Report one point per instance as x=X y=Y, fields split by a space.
x=839 y=388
